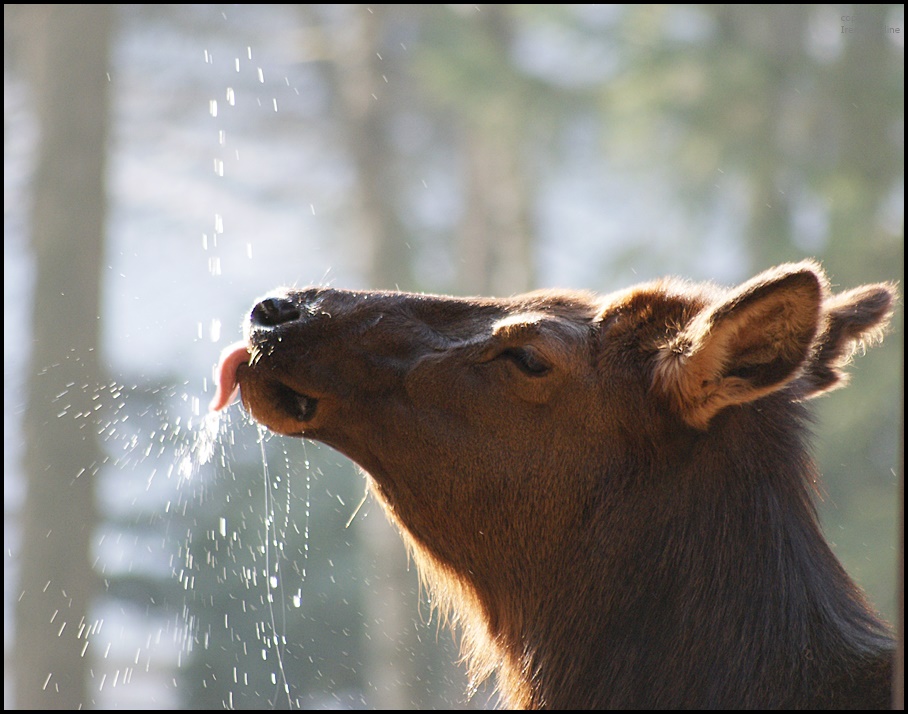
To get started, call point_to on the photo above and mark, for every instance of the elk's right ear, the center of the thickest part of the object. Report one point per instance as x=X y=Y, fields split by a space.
x=740 y=349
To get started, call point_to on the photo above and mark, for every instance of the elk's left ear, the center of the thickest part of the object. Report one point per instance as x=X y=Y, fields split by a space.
x=752 y=343
x=851 y=320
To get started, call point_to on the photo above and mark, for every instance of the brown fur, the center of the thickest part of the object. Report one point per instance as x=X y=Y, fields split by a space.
x=610 y=495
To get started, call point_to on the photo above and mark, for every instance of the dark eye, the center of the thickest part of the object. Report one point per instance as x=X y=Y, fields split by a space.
x=527 y=359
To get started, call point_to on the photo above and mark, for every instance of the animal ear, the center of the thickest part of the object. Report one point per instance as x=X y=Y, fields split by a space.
x=752 y=343
x=854 y=319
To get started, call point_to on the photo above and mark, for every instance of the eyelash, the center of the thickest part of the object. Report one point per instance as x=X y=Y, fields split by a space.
x=527 y=360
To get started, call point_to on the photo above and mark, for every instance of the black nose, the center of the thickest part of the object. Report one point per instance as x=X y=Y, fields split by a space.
x=274 y=311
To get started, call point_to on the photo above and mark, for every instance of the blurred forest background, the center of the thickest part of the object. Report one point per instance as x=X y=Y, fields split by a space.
x=166 y=164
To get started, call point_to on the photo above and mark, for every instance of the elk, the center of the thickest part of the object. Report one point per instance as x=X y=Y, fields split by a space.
x=612 y=496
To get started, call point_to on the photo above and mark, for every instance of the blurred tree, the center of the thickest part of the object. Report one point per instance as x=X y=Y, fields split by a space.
x=69 y=48
x=486 y=100
x=501 y=119
x=774 y=102
x=356 y=39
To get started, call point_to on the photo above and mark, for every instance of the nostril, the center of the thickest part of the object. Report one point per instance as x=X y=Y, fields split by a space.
x=274 y=311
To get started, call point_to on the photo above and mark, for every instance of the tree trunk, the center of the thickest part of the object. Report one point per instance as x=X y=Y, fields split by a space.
x=61 y=451
x=389 y=669
x=495 y=235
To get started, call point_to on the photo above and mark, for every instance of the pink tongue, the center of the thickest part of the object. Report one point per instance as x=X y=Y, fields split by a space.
x=225 y=375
